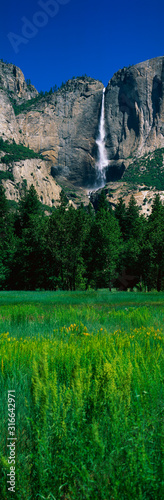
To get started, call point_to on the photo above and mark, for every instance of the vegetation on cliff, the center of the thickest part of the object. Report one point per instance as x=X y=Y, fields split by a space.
x=67 y=86
x=16 y=152
x=147 y=170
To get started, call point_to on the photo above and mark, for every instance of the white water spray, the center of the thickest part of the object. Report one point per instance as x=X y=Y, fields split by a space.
x=102 y=162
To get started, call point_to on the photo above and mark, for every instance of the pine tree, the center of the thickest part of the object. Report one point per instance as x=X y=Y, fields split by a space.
x=155 y=237
x=105 y=247
x=132 y=224
x=7 y=240
x=133 y=227
x=102 y=202
x=30 y=224
x=120 y=214
x=29 y=205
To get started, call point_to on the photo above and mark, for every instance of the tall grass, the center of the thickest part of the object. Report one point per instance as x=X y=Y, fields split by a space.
x=89 y=398
x=39 y=313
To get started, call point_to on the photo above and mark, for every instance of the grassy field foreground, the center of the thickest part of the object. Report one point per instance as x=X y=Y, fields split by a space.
x=88 y=372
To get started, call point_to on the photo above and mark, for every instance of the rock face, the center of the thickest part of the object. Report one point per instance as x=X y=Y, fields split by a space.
x=8 y=125
x=13 y=88
x=12 y=81
x=143 y=195
x=63 y=125
x=64 y=129
x=134 y=113
x=36 y=172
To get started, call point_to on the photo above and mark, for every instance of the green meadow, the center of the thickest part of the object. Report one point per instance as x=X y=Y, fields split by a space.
x=87 y=369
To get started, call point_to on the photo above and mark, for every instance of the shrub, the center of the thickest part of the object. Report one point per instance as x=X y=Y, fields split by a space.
x=16 y=152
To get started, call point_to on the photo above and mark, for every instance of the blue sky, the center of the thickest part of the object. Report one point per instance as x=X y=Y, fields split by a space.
x=96 y=37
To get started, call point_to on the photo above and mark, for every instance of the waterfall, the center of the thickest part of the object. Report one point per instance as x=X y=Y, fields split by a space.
x=102 y=162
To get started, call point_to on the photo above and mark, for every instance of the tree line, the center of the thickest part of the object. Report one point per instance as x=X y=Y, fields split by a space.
x=80 y=248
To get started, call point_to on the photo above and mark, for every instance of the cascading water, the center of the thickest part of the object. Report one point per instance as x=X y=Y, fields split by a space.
x=102 y=162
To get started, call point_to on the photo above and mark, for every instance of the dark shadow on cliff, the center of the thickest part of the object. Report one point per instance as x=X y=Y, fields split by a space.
x=156 y=96
x=115 y=172
x=127 y=97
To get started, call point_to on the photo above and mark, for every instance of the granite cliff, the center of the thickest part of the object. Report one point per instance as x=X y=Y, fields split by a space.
x=63 y=126
x=134 y=114
x=13 y=88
